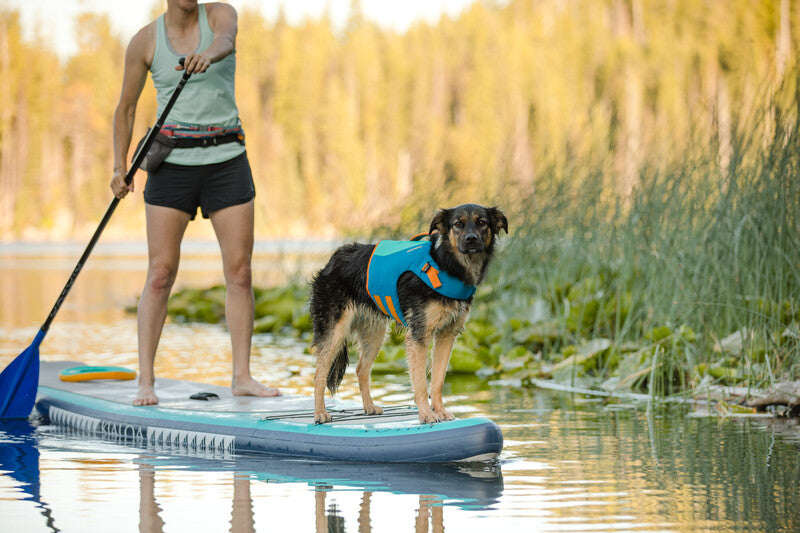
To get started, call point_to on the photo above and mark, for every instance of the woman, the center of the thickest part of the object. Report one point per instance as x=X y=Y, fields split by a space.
x=214 y=176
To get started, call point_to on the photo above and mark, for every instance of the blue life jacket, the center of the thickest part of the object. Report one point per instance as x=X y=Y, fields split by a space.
x=391 y=258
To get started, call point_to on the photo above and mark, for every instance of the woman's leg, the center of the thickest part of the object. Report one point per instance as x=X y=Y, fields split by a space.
x=165 y=229
x=234 y=229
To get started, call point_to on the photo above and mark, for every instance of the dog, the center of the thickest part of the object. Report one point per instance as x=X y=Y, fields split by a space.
x=432 y=298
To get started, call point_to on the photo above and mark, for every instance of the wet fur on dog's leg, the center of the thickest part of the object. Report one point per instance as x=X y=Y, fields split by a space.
x=320 y=377
x=320 y=413
x=331 y=362
x=442 y=348
x=370 y=332
x=417 y=354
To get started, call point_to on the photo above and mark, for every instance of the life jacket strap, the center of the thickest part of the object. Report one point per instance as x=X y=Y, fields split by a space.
x=433 y=275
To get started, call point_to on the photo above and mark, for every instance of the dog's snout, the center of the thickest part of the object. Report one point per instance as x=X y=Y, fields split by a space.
x=470 y=243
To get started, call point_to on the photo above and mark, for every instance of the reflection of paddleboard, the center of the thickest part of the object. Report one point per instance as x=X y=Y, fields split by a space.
x=465 y=485
x=275 y=426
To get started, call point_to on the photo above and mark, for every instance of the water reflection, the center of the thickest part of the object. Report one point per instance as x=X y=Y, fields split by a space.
x=468 y=486
x=650 y=469
x=570 y=463
x=566 y=466
x=150 y=520
x=327 y=515
x=115 y=272
x=19 y=459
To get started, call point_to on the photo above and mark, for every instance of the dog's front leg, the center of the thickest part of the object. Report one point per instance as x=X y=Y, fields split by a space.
x=442 y=347
x=417 y=353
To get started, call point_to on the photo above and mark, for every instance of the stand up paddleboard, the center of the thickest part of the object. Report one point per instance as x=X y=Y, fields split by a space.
x=218 y=422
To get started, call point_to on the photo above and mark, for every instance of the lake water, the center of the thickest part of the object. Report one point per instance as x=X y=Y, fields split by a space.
x=570 y=462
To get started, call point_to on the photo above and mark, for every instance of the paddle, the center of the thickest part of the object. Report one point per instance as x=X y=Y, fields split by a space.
x=20 y=379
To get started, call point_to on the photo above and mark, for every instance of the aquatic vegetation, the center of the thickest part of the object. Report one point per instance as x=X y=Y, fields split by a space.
x=282 y=310
x=198 y=305
x=664 y=360
x=277 y=310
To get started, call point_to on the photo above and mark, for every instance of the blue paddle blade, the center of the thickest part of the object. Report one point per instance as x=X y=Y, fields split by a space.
x=19 y=382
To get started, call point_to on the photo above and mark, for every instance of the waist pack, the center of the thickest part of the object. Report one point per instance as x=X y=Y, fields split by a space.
x=184 y=136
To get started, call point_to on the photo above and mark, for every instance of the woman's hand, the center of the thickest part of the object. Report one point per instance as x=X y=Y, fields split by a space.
x=195 y=64
x=118 y=186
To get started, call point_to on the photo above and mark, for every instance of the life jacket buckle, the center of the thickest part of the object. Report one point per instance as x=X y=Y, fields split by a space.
x=433 y=275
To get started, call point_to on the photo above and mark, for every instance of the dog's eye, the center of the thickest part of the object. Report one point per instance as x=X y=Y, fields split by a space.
x=458 y=224
x=481 y=223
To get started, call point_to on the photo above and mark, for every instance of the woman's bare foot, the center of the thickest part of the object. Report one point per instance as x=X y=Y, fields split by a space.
x=146 y=395
x=251 y=387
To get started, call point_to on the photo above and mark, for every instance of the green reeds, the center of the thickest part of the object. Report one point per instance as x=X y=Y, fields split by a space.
x=694 y=274
x=689 y=276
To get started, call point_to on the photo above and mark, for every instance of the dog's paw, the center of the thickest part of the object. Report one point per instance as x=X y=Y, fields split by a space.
x=373 y=410
x=428 y=417
x=444 y=415
x=322 y=418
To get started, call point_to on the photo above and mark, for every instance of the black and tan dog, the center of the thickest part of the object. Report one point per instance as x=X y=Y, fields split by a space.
x=432 y=296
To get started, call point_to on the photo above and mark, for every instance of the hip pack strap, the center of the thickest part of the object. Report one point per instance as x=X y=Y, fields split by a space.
x=186 y=136
x=194 y=142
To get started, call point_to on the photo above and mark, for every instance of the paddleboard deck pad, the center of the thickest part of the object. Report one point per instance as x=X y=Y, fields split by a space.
x=223 y=424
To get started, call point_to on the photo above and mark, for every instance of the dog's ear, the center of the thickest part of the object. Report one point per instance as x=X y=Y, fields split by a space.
x=497 y=219
x=439 y=223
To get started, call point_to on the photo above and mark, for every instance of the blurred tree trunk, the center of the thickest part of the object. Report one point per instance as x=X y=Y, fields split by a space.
x=7 y=182
x=12 y=105
x=629 y=28
x=723 y=119
x=784 y=40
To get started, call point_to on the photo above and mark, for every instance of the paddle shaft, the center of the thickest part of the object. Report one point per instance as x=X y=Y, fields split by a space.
x=137 y=160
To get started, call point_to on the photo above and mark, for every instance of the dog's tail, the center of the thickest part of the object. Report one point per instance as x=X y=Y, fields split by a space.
x=338 y=368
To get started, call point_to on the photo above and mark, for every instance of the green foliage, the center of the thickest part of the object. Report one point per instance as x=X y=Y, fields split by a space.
x=277 y=310
x=362 y=127
x=696 y=265
x=198 y=305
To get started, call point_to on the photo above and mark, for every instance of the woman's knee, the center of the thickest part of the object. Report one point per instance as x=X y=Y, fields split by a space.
x=239 y=275
x=160 y=277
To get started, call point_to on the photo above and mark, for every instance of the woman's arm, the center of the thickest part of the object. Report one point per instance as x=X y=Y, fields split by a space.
x=138 y=57
x=222 y=19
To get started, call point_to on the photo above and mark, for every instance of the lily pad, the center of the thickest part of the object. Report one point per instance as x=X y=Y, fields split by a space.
x=464 y=362
x=575 y=364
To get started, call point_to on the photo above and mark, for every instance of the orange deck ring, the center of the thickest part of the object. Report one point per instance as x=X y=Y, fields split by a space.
x=88 y=373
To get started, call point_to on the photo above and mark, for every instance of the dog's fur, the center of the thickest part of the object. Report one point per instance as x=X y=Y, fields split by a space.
x=462 y=243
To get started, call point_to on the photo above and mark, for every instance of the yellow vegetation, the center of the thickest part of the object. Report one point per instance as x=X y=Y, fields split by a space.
x=363 y=127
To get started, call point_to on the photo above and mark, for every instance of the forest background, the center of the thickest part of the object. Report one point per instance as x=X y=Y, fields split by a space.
x=646 y=152
x=357 y=126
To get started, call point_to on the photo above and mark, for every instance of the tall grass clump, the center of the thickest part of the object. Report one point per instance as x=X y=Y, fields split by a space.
x=692 y=275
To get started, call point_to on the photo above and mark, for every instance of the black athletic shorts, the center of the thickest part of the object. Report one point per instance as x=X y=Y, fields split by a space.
x=210 y=187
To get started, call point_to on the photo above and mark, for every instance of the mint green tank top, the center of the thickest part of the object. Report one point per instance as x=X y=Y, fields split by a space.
x=207 y=99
